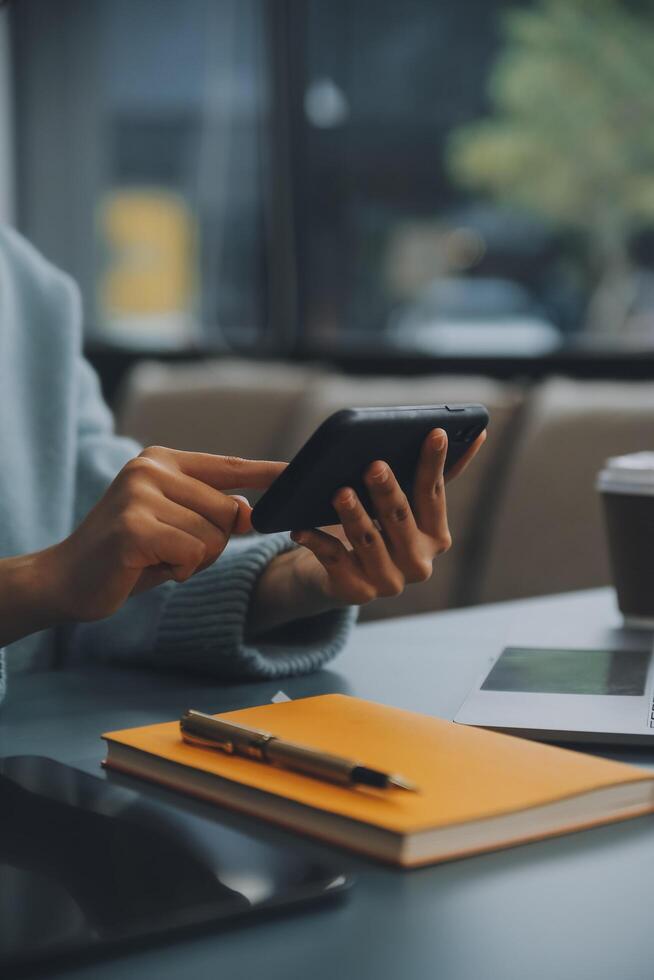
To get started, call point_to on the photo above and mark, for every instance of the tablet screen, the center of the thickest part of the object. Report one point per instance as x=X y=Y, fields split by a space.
x=549 y=671
x=86 y=864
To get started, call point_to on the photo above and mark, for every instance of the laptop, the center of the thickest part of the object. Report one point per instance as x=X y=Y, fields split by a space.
x=556 y=694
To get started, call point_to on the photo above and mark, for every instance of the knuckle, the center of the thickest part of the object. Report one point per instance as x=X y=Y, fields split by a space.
x=364 y=538
x=198 y=551
x=364 y=593
x=216 y=547
x=154 y=453
x=221 y=537
x=136 y=473
x=443 y=543
x=235 y=462
x=421 y=572
x=399 y=513
x=392 y=588
x=140 y=464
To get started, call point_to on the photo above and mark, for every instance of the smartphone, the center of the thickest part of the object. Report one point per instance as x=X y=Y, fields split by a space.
x=87 y=866
x=341 y=449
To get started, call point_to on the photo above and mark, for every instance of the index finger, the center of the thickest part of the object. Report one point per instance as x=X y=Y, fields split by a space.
x=467 y=458
x=229 y=472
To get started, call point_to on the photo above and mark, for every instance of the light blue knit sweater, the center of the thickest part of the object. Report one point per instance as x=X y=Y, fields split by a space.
x=58 y=453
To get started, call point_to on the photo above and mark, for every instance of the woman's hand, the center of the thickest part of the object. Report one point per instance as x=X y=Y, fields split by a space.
x=365 y=558
x=166 y=516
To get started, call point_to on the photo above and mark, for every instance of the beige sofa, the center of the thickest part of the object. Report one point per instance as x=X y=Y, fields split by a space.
x=525 y=518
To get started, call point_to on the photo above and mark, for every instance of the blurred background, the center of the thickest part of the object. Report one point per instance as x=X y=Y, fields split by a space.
x=293 y=205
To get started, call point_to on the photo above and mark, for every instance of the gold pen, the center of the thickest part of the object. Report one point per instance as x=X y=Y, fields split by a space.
x=208 y=732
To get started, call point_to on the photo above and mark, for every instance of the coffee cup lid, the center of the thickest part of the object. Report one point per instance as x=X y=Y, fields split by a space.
x=633 y=473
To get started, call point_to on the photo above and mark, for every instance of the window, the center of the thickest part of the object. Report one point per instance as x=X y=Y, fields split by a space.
x=478 y=175
x=426 y=178
x=143 y=155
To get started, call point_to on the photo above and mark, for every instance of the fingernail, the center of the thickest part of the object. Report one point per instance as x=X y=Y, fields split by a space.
x=345 y=498
x=378 y=472
x=438 y=439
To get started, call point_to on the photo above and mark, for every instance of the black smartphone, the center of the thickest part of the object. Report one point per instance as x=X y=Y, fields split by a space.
x=87 y=866
x=341 y=449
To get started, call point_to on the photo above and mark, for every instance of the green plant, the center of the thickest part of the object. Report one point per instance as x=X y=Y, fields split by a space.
x=571 y=134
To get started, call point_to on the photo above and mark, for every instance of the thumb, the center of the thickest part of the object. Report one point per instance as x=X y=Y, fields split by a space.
x=243 y=522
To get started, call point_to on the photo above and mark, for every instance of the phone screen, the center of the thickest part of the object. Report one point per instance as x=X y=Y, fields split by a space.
x=85 y=864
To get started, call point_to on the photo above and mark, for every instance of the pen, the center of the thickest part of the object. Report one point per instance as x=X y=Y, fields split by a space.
x=208 y=732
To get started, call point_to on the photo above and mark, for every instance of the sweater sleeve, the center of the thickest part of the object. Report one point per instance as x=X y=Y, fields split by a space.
x=199 y=624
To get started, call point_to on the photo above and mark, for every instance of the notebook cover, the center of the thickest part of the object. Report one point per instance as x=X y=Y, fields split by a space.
x=462 y=773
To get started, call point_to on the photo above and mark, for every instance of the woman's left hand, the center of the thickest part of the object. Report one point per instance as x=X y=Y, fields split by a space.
x=365 y=558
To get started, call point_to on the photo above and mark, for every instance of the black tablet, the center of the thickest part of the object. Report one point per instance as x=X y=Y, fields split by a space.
x=341 y=449
x=87 y=867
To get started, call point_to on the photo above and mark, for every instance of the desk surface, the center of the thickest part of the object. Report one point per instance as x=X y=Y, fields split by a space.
x=573 y=908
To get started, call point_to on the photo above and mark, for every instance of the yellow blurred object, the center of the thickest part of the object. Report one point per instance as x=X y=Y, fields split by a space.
x=150 y=236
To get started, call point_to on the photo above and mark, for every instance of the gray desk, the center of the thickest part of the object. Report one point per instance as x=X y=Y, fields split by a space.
x=577 y=907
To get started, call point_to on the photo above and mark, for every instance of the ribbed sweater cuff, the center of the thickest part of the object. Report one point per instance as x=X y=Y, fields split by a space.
x=202 y=623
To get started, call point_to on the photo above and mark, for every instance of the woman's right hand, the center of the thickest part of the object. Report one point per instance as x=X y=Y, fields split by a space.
x=166 y=516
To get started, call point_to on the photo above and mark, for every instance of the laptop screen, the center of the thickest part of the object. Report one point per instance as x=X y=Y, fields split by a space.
x=544 y=671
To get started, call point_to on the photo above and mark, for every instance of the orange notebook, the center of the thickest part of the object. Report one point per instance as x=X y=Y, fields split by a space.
x=478 y=790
